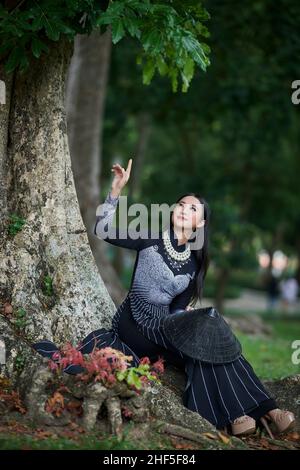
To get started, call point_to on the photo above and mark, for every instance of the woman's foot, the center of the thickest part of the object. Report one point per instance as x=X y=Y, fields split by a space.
x=284 y=420
x=243 y=426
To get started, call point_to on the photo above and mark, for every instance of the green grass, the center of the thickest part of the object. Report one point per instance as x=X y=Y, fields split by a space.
x=90 y=441
x=11 y=442
x=270 y=357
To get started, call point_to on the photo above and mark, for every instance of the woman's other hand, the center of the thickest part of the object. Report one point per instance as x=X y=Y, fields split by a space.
x=121 y=176
x=189 y=308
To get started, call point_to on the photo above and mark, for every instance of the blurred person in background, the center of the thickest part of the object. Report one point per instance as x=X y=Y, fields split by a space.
x=273 y=291
x=289 y=289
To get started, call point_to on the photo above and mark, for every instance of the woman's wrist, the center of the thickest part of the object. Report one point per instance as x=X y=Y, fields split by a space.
x=115 y=193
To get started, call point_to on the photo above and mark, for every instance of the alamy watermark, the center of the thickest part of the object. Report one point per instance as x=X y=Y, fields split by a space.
x=295 y=358
x=139 y=227
x=2 y=92
x=2 y=354
x=295 y=97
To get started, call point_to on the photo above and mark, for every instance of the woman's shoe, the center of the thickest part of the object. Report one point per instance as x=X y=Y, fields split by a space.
x=282 y=419
x=243 y=426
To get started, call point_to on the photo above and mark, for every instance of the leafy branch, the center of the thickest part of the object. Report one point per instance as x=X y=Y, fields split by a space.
x=170 y=33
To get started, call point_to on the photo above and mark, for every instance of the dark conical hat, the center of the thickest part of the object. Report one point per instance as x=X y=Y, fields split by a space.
x=202 y=333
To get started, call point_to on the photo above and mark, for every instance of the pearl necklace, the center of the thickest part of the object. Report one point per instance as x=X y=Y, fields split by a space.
x=178 y=255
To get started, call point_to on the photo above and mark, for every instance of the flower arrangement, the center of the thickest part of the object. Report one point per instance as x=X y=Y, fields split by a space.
x=108 y=366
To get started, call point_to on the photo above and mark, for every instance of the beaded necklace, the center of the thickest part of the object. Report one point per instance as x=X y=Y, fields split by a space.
x=177 y=255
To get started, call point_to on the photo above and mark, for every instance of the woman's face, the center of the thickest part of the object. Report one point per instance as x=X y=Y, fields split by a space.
x=188 y=213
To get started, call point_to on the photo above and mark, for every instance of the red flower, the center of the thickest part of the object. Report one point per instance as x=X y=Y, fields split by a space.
x=159 y=365
x=145 y=360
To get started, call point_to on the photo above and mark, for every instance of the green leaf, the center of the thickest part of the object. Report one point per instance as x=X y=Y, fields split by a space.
x=173 y=73
x=161 y=65
x=13 y=30
x=121 y=375
x=152 y=40
x=37 y=23
x=38 y=46
x=196 y=51
x=205 y=47
x=133 y=379
x=117 y=30
x=116 y=8
x=51 y=30
x=143 y=368
x=14 y=58
x=139 y=58
x=202 y=29
x=148 y=71
x=132 y=25
x=188 y=68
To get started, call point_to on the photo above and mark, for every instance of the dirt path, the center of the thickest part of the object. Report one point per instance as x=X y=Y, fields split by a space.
x=252 y=301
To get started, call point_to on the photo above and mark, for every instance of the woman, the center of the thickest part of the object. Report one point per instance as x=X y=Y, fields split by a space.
x=167 y=276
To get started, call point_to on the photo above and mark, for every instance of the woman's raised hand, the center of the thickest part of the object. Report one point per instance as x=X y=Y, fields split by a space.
x=121 y=176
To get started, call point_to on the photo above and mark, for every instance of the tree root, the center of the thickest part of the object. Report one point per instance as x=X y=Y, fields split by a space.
x=95 y=396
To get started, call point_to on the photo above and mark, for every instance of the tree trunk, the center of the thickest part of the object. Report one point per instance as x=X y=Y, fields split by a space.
x=46 y=268
x=144 y=129
x=4 y=119
x=222 y=281
x=276 y=240
x=85 y=101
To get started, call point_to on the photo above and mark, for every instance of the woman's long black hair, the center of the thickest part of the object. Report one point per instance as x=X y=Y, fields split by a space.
x=202 y=255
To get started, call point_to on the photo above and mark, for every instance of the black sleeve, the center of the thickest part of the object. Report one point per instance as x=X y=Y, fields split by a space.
x=181 y=301
x=105 y=230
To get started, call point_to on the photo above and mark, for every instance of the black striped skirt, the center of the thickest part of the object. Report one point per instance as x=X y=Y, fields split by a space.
x=220 y=393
